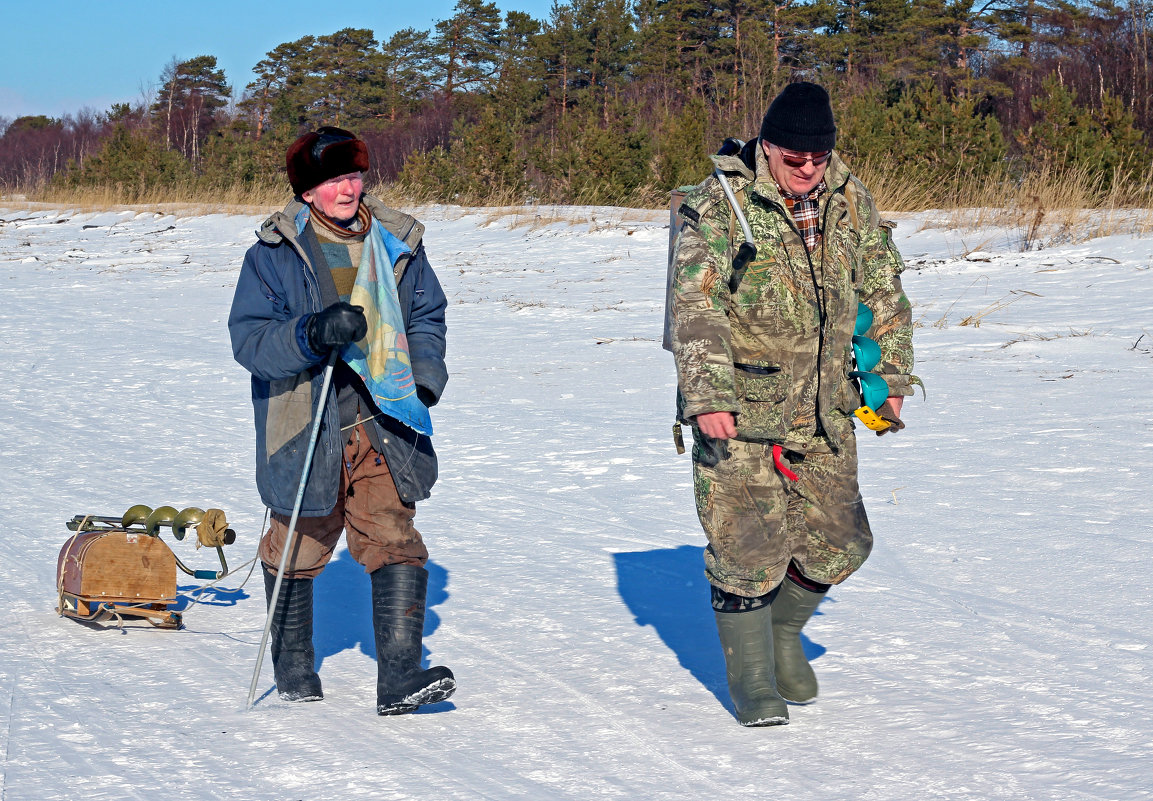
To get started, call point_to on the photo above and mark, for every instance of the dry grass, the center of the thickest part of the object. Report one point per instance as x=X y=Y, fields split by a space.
x=597 y=208
x=1055 y=205
x=1048 y=206
x=1013 y=296
x=191 y=198
x=1073 y=333
x=975 y=319
x=195 y=197
x=598 y=218
x=648 y=196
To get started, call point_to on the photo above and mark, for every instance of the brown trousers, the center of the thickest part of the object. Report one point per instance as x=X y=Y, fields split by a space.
x=378 y=522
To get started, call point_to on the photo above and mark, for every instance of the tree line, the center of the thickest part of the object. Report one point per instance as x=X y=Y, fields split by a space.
x=615 y=101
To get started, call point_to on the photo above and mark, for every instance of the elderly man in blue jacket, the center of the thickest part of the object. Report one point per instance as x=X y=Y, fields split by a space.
x=338 y=270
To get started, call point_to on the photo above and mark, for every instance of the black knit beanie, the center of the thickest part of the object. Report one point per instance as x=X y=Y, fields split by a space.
x=325 y=153
x=801 y=119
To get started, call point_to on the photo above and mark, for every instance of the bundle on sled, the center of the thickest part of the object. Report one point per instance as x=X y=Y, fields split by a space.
x=119 y=566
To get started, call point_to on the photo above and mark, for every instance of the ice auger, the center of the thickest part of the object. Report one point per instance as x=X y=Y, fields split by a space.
x=119 y=566
x=874 y=389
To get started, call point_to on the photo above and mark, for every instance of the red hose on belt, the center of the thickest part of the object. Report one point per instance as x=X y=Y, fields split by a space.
x=782 y=465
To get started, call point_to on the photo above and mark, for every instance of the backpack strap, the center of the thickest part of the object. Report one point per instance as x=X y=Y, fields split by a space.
x=851 y=197
x=740 y=196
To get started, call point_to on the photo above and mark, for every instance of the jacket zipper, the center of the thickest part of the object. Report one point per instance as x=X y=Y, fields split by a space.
x=818 y=291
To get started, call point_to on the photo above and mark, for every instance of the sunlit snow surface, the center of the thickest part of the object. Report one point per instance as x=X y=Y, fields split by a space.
x=995 y=646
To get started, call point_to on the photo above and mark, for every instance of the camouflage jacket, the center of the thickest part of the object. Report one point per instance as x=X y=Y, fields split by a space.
x=777 y=351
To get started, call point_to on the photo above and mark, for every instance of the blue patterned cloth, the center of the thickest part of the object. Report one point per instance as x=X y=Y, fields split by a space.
x=381 y=359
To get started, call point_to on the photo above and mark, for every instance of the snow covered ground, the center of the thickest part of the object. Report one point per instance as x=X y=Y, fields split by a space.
x=995 y=646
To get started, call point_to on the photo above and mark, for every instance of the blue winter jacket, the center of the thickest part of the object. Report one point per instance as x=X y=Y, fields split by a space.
x=276 y=292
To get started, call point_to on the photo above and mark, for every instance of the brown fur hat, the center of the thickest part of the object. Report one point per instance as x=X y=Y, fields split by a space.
x=322 y=154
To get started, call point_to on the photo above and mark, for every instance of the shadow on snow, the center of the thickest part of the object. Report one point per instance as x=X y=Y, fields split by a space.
x=667 y=589
x=342 y=611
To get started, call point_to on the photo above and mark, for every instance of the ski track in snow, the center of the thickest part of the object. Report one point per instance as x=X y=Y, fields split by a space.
x=995 y=646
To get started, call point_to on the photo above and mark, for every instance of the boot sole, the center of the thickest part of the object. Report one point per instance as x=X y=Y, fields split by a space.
x=774 y=720
x=434 y=693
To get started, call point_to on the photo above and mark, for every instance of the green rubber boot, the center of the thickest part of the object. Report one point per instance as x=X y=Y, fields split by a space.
x=792 y=608
x=747 y=640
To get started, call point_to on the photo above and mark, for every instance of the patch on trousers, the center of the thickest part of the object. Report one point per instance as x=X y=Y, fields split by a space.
x=831 y=565
x=738 y=582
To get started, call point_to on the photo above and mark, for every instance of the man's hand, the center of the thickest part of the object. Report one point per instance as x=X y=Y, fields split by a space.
x=336 y=326
x=891 y=411
x=718 y=425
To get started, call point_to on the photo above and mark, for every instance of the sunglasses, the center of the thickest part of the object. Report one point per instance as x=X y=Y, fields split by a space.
x=795 y=160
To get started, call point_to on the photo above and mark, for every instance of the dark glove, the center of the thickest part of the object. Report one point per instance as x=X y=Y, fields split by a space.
x=426 y=396
x=886 y=413
x=336 y=326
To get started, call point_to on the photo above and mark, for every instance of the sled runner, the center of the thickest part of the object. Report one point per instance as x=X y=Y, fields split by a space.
x=119 y=566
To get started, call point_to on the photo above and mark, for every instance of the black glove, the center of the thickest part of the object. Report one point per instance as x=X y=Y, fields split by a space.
x=336 y=326
x=886 y=413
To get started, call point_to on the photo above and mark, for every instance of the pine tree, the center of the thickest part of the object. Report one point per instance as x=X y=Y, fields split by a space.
x=192 y=92
x=465 y=48
x=346 y=76
x=406 y=70
x=133 y=162
x=681 y=150
x=278 y=95
x=1067 y=133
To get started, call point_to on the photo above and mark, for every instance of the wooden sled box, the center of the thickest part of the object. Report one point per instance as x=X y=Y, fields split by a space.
x=118 y=573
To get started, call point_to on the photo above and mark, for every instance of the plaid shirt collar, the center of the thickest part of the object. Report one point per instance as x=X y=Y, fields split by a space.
x=804 y=209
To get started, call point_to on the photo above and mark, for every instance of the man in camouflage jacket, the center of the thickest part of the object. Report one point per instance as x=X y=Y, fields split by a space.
x=763 y=355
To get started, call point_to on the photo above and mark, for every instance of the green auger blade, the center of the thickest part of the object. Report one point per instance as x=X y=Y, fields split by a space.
x=137 y=514
x=187 y=517
x=161 y=516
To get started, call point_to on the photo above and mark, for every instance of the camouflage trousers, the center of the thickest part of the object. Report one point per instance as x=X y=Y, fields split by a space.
x=757 y=519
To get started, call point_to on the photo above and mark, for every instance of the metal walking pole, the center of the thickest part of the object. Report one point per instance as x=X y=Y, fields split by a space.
x=292 y=523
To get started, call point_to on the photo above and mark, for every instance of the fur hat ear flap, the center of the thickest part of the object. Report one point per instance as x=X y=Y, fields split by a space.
x=322 y=154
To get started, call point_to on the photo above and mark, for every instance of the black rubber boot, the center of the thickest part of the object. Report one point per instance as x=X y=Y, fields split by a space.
x=398 y=598
x=293 y=657
x=746 y=632
x=792 y=608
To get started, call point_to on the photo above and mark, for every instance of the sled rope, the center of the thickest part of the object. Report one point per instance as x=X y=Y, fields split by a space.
x=251 y=564
x=196 y=593
x=60 y=573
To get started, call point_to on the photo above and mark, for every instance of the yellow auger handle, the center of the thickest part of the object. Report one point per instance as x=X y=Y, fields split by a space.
x=871 y=419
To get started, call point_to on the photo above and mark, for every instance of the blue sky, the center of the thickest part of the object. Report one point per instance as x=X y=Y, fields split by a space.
x=58 y=57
